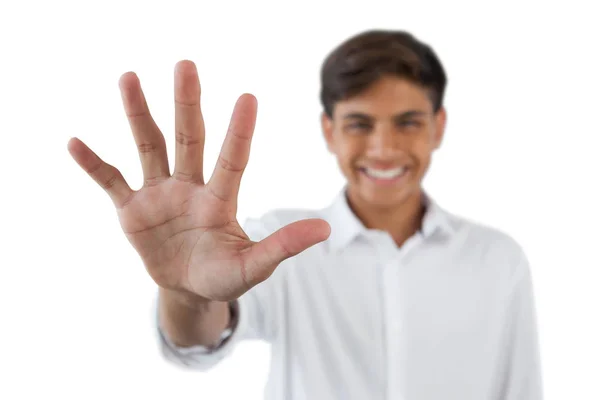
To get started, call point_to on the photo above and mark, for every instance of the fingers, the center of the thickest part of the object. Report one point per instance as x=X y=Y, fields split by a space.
x=107 y=176
x=292 y=239
x=226 y=178
x=189 y=124
x=148 y=138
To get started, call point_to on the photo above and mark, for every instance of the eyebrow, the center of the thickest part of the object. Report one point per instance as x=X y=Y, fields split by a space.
x=404 y=115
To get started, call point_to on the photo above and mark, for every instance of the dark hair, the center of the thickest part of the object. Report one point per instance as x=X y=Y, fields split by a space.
x=364 y=58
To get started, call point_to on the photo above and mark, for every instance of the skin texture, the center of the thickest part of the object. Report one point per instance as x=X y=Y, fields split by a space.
x=183 y=227
x=391 y=124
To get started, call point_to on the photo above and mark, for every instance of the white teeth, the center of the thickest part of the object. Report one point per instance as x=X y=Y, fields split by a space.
x=385 y=173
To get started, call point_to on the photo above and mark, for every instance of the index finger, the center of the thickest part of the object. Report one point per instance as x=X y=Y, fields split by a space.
x=235 y=152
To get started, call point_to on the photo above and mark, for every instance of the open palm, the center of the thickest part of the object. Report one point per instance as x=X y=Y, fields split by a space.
x=185 y=230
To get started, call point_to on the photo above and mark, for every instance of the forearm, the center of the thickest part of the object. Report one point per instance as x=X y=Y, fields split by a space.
x=190 y=321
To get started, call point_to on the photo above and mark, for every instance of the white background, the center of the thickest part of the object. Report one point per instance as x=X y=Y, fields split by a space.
x=521 y=154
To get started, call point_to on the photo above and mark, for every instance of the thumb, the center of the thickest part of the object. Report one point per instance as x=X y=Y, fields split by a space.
x=292 y=239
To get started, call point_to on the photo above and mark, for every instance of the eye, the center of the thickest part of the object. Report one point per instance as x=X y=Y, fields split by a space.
x=410 y=123
x=358 y=127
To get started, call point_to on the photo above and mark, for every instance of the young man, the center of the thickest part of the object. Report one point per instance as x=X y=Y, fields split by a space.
x=382 y=295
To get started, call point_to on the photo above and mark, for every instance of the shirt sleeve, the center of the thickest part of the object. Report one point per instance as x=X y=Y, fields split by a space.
x=253 y=320
x=523 y=374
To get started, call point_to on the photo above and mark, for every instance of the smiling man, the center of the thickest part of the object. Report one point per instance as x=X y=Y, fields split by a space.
x=383 y=129
x=381 y=295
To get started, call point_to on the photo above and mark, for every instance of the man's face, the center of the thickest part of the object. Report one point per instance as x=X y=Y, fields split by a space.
x=383 y=139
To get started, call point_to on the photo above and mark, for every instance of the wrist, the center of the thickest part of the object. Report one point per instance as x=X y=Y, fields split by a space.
x=187 y=300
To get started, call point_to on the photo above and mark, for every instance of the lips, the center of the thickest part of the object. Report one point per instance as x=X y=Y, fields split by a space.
x=389 y=173
x=385 y=177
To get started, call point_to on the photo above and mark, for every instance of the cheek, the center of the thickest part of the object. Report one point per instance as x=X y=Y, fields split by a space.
x=423 y=158
x=423 y=146
x=348 y=152
x=348 y=160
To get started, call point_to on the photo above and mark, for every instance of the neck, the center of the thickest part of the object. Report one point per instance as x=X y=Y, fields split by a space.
x=401 y=221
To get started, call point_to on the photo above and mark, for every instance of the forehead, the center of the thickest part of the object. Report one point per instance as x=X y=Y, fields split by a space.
x=385 y=97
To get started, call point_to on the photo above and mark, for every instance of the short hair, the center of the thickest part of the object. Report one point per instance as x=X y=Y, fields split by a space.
x=362 y=59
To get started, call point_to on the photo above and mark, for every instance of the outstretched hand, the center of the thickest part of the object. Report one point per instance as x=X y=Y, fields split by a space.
x=185 y=230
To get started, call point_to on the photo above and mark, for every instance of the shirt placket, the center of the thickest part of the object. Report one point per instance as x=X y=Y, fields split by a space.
x=385 y=254
x=391 y=260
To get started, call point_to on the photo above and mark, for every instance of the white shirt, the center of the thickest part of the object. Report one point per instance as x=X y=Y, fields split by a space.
x=447 y=316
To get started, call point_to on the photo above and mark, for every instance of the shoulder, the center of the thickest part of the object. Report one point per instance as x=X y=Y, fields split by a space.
x=489 y=245
x=476 y=232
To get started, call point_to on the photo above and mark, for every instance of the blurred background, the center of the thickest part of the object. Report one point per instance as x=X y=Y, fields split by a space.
x=520 y=154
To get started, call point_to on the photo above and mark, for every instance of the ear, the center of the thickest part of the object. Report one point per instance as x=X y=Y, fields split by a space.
x=441 y=118
x=327 y=128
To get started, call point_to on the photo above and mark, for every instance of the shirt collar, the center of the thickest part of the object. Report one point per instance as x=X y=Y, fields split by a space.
x=436 y=219
x=345 y=225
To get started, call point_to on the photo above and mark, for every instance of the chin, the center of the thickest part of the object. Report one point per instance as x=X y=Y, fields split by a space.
x=383 y=198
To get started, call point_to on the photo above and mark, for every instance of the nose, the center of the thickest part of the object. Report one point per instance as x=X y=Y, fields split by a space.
x=383 y=143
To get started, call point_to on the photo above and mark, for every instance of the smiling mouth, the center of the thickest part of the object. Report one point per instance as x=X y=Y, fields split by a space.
x=385 y=176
